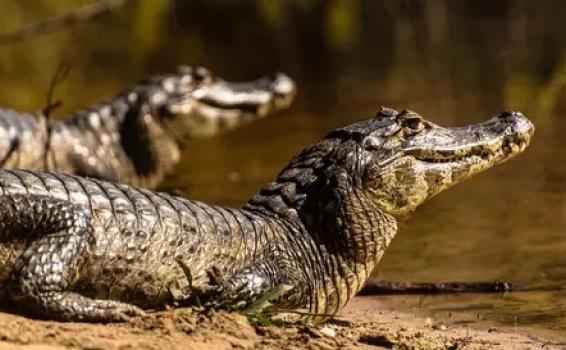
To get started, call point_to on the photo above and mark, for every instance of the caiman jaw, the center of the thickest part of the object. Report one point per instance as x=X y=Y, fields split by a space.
x=481 y=145
x=254 y=98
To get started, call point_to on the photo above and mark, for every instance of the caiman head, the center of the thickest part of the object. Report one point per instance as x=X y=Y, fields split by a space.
x=201 y=104
x=404 y=159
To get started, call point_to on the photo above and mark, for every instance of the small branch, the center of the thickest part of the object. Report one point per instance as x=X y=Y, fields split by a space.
x=387 y=288
x=74 y=17
x=61 y=74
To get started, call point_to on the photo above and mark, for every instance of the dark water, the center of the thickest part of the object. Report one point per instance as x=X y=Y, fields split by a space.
x=455 y=62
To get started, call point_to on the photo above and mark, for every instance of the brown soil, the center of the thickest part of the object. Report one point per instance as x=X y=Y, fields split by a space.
x=360 y=326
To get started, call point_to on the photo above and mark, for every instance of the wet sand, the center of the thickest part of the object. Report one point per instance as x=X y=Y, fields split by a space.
x=365 y=324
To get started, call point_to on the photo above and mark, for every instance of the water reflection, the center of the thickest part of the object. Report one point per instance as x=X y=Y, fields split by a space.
x=454 y=62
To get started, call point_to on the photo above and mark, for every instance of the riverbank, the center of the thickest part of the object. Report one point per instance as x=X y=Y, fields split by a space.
x=360 y=326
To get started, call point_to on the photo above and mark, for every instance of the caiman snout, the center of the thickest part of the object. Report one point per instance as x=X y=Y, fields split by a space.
x=281 y=86
x=514 y=130
x=517 y=125
x=259 y=97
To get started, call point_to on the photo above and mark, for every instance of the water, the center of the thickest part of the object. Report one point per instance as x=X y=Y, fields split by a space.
x=453 y=62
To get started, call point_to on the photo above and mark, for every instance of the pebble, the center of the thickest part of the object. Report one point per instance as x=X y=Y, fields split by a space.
x=328 y=332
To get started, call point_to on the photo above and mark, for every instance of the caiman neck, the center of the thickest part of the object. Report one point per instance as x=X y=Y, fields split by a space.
x=123 y=130
x=345 y=233
x=149 y=148
x=319 y=196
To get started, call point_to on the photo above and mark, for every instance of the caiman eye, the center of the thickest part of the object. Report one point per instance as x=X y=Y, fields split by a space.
x=413 y=123
x=203 y=75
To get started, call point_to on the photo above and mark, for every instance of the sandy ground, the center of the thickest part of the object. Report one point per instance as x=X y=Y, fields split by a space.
x=361 y=326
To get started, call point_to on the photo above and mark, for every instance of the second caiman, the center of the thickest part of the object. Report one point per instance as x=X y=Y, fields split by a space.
x=73 y=248
x=134 y=137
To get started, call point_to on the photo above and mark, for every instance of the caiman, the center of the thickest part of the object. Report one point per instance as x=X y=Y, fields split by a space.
x=135 y=137
x=80 y=249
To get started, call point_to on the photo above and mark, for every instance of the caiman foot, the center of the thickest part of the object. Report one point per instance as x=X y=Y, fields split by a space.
x=252 y=290
x=67 y=306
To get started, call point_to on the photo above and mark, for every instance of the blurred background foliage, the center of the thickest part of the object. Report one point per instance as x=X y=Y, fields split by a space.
x=455 y=62
x=509 y=52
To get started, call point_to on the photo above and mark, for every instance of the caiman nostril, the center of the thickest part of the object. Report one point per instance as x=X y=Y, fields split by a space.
x=517 y=123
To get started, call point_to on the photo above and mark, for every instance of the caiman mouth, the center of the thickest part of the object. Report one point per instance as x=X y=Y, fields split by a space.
x=257 y=97
x=503 y=148
x=496 y=140
x=242 y=107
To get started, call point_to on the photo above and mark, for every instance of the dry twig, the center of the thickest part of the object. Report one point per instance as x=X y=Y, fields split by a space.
x=81 y=15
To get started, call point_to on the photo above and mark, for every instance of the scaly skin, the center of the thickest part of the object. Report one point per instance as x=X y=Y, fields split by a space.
x=78 y=249
x=134 y=138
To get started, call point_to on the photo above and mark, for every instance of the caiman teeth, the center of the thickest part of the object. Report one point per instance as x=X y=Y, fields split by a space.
x=506 y=147
x=515 y=145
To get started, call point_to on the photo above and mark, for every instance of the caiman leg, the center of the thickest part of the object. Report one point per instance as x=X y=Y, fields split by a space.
x=56 y=238
x=269 y=280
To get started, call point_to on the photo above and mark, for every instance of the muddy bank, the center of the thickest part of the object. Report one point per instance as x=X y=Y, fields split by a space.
x=359 y=327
